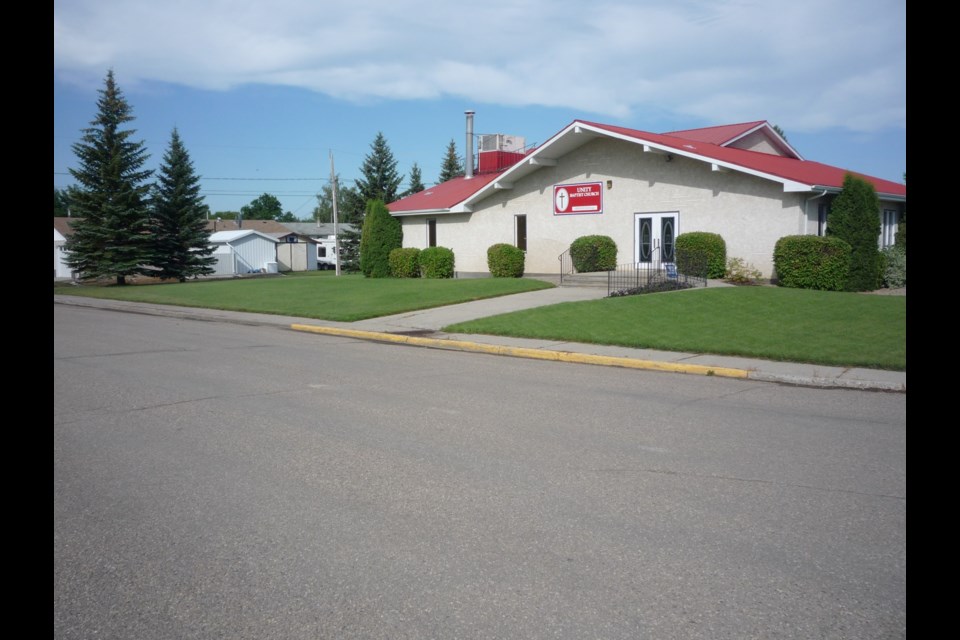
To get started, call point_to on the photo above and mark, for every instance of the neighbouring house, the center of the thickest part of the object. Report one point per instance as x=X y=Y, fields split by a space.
x=243 y=251
x=743 y=181
x=62 y=230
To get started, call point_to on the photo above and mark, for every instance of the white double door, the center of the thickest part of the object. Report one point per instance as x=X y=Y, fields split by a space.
x=655 y=237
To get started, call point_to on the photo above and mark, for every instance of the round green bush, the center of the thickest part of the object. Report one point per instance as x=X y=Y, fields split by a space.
x=436 y=262
x=703 y=248
x=812 y=262
x=505 y=261
x=405 y=263
x=594 y=253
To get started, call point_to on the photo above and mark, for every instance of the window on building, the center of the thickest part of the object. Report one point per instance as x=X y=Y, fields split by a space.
x=321 y=252
x=888 y=232
x=292 y=239
x=431 y=233
x=521 y=232
x=822 y=211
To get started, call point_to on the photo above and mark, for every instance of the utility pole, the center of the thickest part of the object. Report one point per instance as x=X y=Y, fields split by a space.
x=336 y=224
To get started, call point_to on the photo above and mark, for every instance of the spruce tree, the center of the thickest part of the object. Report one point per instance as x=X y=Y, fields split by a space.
x=181 y=240
x=416 y=181
x=112 y=238
x=380 y=179
x=61 y=202
x=855 y=217
x=451 y=167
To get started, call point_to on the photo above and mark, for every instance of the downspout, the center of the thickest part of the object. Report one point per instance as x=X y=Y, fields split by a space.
x=806 y=212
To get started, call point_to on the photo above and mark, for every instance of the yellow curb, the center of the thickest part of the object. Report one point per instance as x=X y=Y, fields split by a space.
x=524 y=352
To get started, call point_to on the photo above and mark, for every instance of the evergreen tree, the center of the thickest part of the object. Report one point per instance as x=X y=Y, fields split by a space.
x=181 y=240
x=61 y=202
x=112 y=238
x=451 y=167
x=777 y=128
x=380 y=179
x=416 y=181
x=381 y=235
x=855 y=217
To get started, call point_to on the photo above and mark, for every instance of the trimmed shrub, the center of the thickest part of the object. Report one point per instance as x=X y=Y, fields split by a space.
x=812 y=262
x=381 y=234
x=894 y=267
x=855 y=218
x=698 y=247
x=405 y=263
x=505 y=261
x=436 y=262
x=594 y=253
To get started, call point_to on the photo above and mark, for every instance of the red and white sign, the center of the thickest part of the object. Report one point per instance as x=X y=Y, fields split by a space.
x=586 y=197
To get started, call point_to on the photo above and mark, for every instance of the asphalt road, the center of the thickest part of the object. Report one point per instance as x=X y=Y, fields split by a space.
x=223 y=481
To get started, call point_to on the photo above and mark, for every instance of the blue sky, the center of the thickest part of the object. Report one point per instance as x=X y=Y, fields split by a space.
x=261 y=93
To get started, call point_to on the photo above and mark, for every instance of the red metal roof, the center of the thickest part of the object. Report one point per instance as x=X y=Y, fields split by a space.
x=719 y=135
x=443 y=196
x=699 y=142
x=802 y=171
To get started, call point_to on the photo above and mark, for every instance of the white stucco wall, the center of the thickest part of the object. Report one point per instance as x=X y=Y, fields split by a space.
x=749 y=212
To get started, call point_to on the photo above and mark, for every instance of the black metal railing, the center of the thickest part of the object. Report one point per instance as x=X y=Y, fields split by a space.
x=649 y=277
x=566 y=265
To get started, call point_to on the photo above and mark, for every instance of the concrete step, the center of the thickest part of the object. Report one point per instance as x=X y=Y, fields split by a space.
x=596 y=279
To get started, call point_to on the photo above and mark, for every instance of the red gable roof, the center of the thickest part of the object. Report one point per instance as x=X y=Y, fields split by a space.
x=802 y=171
x=443 y=196
x=703 y=144
x=716 y=135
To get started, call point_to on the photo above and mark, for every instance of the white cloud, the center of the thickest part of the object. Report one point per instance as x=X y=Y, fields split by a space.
x=809 y=65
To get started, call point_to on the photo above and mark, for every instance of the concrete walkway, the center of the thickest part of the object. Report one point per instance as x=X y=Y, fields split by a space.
x=422 y=328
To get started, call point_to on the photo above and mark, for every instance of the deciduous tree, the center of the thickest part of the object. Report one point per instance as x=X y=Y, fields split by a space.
x=264 y=207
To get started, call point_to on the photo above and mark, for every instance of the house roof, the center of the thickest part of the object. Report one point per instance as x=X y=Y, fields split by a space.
x=794 y=173
x=221 y=237
x=719 y=135
x=64 y=225
x=313 y=229
x=269 y=227
x=444 y=195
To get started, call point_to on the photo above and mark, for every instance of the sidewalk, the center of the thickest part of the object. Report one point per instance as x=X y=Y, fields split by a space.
x=422 y=328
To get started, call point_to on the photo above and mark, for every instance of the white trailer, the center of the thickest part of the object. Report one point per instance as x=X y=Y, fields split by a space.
x=327 y=252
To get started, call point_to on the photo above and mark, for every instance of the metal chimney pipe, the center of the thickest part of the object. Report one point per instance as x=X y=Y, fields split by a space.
x=469 y=161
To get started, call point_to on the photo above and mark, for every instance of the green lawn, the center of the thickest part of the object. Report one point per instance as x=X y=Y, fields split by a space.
x=319 y=295
x=820 y=327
